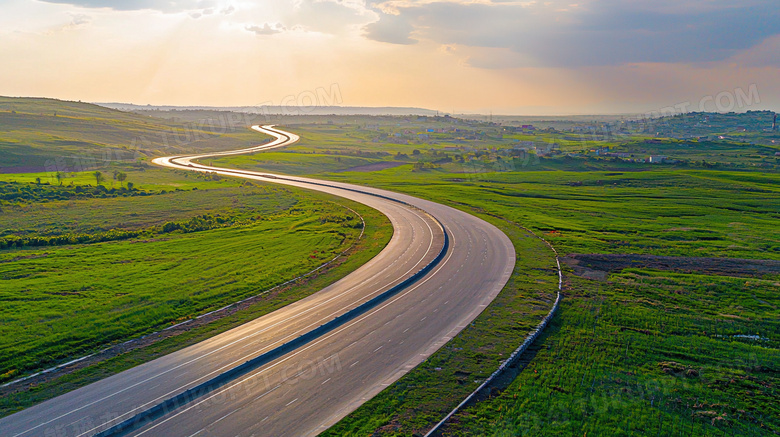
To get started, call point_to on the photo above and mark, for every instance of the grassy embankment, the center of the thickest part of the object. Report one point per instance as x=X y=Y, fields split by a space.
x=637 y=350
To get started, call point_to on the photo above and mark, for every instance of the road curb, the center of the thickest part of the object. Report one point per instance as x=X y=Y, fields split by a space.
x=436 y=430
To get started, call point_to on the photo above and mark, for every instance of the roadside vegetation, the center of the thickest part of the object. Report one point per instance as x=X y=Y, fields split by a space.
x=66 y=293
x=672 y=349
x=647 y=352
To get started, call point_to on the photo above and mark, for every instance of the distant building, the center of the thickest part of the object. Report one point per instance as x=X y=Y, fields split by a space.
x=657 y=159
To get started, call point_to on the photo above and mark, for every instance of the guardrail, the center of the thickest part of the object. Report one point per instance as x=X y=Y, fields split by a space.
x=171 y=404
x=516 y=354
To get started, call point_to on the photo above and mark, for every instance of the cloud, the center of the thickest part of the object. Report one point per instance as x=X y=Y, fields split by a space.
x=266 y=29
x=329 y=16
x=591 y=33
x=80 y=19
x=766 y=54
x=334 y=17
x=77 y=21
x=391 y=28
x=133 y=5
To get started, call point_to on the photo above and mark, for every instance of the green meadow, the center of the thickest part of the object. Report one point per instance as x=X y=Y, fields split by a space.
x=647 y=352
x=64 y=300
x=678 y=350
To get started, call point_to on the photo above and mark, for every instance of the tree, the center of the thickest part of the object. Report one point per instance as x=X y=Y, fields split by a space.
x=130 y=186
x=121 y=177
x=59 y=177
x=38 y=181
x=415 y=152
x=98 y=177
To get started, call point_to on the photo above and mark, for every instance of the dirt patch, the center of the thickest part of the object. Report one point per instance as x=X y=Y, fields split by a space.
x=598 y=266
x=377 y=166
x=19 y=258
x=677 y=369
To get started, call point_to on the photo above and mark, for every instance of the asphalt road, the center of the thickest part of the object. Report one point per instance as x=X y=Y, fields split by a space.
x=312 y=387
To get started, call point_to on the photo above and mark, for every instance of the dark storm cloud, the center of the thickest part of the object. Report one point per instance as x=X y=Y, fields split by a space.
x=600 y=32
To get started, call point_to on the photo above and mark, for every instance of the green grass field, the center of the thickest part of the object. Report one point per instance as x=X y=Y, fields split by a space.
x=633 y=351
x=642 y=350
x=647 y=352
x=63 y=301
x=100 y=215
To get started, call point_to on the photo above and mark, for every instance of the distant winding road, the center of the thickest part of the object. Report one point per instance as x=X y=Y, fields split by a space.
x=306 y=386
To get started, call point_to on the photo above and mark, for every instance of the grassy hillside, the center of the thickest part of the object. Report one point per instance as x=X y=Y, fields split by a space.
x=51 y=135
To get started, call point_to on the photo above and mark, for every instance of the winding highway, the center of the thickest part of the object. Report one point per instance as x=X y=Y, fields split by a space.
x=300 y=369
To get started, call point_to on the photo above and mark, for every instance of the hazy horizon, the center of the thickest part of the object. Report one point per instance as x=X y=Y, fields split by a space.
x=518 y=58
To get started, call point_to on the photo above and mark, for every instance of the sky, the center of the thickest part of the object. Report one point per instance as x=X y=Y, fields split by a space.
x=457 y=56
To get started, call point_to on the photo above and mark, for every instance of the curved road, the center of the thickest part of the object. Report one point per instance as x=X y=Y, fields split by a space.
x=305 y=390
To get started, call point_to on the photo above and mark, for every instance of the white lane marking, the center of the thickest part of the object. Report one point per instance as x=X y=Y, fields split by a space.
x=269 y=391
x=291 y=402
x=380 y=347
x=223 y=417
x=323 y=382
x=353 y=364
